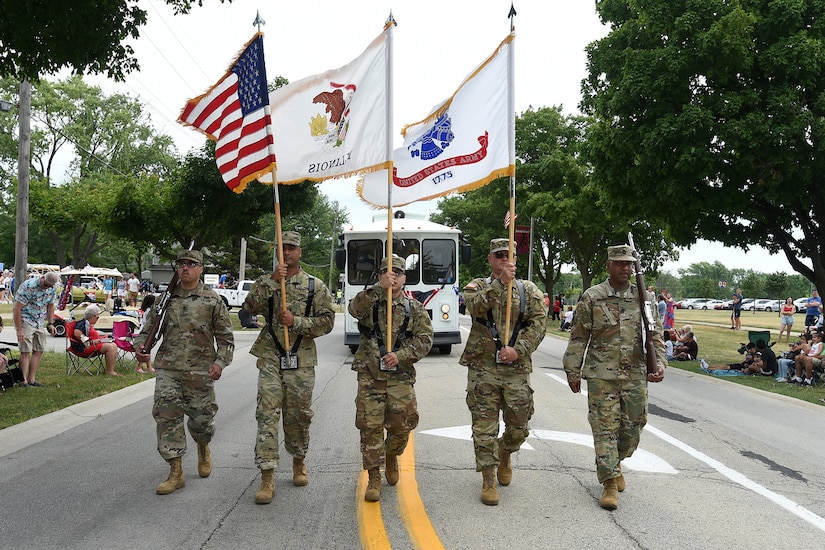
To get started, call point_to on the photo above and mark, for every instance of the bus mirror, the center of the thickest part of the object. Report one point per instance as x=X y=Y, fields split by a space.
x=465 y=253
x=340 y=258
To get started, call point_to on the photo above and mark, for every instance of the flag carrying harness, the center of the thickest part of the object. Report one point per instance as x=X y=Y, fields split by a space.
x=289 y=360
x=375 y=330
x=491 y=325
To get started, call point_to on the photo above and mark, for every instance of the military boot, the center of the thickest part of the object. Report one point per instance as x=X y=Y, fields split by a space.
x=610 y=495
x=267 y=490
x=299 y=472
x=489 y=489
x=505 y=466
x=204 y=460
x=391 y=469
x=620 y=484
x=175 y=480
x=373 y=492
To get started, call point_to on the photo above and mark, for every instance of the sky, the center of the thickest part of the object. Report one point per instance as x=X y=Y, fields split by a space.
x=435 y=45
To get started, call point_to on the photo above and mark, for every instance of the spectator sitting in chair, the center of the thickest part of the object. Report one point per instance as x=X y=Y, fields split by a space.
x=795 y=349
x=248 y=320
x=686 y=350
x=86 y=341
x=809 y=361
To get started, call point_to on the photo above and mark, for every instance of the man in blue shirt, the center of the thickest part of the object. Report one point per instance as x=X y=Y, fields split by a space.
x=812 y=309
x=33 y=305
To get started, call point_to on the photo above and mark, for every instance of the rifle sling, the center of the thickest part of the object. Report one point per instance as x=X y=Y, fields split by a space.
x=491 y=325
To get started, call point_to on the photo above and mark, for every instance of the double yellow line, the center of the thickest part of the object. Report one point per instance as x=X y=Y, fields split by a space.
x=415 y=518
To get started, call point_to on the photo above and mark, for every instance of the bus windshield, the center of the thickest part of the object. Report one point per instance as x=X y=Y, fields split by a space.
x=433 y=262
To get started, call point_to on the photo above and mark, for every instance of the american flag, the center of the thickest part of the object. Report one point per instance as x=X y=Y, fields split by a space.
x=507 y=219
x=235 y=113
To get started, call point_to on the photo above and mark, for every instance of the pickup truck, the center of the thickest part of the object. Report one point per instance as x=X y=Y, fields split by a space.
x=234 y=297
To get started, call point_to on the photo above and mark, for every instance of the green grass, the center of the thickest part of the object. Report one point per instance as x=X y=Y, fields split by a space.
x=719 y=344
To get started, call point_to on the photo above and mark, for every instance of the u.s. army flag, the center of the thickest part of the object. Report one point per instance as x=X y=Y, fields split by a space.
x=461 y=145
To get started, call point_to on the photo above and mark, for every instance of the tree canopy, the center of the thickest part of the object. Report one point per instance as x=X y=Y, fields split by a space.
x=41 y=37
x=712 y=121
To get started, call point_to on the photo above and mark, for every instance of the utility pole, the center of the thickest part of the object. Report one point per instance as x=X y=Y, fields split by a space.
x=21 y=240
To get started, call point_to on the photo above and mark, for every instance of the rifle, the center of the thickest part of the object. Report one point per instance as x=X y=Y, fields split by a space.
x=160 y=312
x=648 y=325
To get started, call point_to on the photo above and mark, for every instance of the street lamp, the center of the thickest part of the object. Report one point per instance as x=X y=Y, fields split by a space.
x=5 y=106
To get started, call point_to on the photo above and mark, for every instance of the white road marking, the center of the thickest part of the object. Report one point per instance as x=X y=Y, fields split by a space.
x=737 y=477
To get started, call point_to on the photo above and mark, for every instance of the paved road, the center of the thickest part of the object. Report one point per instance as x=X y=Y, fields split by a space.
x=722 y=466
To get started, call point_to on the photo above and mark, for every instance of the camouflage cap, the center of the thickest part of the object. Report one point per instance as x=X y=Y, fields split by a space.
x=190 y=255
x=620 y=253
x=291 y=237
x=397 y=263
x=499 y=244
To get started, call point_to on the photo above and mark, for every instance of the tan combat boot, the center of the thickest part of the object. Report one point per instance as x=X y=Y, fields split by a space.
x=175 y=480
x=267 y=490
x=373 y=492
x=299 y=472
x=505 y=466
x=610 y=496
x=489 y=489
x=204 y=460
x=620 y=484
x=391 y=469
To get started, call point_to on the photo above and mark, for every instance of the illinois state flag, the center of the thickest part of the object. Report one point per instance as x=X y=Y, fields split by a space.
x=333 y=124
x=235 y=113
x=461 y=145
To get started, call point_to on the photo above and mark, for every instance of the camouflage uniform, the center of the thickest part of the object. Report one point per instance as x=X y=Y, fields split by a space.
x=196 y=321
x=290 y=389
x=386 y=399
x=493 y=387
x=608 y=324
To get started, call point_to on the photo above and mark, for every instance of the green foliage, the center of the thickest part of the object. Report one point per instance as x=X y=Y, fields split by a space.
x=717 y=106
x=41 y=37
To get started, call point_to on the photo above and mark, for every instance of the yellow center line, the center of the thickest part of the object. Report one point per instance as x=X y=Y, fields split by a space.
x=411 y=506
x=370 y=523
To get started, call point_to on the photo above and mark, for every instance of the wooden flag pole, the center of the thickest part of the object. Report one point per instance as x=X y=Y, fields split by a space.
x=280 y=249
x=511 y=139
x=390 y=25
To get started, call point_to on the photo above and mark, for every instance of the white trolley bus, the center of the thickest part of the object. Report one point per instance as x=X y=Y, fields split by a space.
x=432 y=252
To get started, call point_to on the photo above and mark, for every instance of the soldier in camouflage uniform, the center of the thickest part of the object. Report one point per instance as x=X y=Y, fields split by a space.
x=498 y=375
x=286 y=377
x=386 y=398
x=197 y=344
x=608 y=324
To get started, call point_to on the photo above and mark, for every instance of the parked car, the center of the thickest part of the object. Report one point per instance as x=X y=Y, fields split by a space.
x=746 y=303
x=695 y=303
x=764 y=304
x=726 y=304
x=712 y=304
x=801 y=304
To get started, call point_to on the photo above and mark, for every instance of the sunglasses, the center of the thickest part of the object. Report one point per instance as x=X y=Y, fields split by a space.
x=396 y=271
x=188 y=263
x=501 y=254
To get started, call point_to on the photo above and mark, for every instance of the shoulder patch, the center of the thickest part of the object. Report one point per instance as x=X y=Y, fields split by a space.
x=471 y=286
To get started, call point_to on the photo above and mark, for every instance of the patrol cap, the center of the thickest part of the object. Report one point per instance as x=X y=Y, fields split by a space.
x=397 y=263
x=291 y=237
x=190 y=255
x=620 y=253
x=499 y=244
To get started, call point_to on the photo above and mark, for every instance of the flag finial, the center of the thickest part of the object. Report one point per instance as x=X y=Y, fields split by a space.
x=511 y=16
x=390 y=21
x=259 y=21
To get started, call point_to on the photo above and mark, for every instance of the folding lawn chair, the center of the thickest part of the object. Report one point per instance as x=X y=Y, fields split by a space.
x=12 y=375
x=122 y=334
x=76 y=362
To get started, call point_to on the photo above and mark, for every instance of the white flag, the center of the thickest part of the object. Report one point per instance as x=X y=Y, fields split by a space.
x=333 y=124
x=461 y=145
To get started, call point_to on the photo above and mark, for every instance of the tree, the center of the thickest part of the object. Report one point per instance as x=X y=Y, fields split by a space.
x=41 y=37
x=717 y=108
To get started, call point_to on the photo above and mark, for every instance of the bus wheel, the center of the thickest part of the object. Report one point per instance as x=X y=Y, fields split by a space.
x=445 y=349
x=353 y=348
